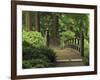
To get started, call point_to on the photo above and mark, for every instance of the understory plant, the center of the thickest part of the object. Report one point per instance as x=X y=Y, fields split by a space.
x=34 y=38
x=86 y=52
x=66 y=35
x=35 y=53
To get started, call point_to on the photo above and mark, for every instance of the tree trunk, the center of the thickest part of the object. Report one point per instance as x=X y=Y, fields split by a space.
x=28 y=23
x=55 y=32
x=82 y=44
x=55 y=26
x=37 y=21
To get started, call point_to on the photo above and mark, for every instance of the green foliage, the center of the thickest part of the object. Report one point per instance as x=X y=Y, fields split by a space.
x=49 y=53
x=45 y=21
x=37 y=56
x=44 y=53
x=34 y=38
x=38 y=63
x=74 y=22
x=33 y=53
x=39 y=52
x=35 y=63
x=26 y=64
x=65 y=36
x=86 y=52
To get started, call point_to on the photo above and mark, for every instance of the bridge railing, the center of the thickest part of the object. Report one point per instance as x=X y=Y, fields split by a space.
x=73 y=43
x=76 y=43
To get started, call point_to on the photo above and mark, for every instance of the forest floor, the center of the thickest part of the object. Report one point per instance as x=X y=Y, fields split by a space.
x=68 y=57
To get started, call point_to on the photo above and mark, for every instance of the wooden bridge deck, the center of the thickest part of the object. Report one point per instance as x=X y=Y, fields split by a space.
x=67 y=53
x=68 y=57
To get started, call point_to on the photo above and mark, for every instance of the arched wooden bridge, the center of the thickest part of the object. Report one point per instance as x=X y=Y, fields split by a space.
x=72 y=53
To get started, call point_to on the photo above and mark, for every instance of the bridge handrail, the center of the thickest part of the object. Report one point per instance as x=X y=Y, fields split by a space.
x=73 y=43
x=76 y=43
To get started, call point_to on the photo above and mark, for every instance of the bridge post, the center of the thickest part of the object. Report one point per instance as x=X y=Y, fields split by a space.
x=82 y=44
x=47 y=37
x=78 y=45
x=75 y=43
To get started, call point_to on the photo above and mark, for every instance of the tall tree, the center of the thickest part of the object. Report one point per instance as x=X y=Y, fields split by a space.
x=55 y=29
x=28 y=21
x=37 y=21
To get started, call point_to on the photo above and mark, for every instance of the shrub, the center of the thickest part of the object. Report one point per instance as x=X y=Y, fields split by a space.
x=27 y=50
x=26 y=64
x=86 y=52
x=49 y=53
x=39 y=63
x=30 y=52
x=35 y=63
x=37 y=56
x=65 y=36
x=34 y=38
x=33 y=53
